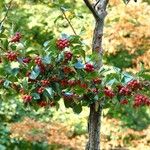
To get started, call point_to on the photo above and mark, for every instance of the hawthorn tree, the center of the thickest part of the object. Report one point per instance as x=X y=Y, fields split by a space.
x=63 y=69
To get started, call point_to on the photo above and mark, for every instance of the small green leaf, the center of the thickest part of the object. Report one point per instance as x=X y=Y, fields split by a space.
x=49 y=92
x=6 y=83
x=47 y=59
x=46 y=43
x=77 y=108
x=35 y=96
x=79 y=65
x=35 y=72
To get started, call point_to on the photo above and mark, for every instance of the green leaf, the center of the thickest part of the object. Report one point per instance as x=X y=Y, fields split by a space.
x=127 y=77
x=35 y=72
x=15 y=71
x=47 y=59
x=126 y=1
x=79 y=65
x=6 y=83
x=2 y=147
x=77 y=108
x=35 y=96
x=46 y=43
x=49 y=92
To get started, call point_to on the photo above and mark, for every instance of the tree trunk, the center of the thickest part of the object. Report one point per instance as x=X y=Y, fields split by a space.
x=94 y=124
x=94 y=121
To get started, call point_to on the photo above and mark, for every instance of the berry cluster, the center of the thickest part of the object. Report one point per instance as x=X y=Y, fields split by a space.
x=26 y=60
x=108 y=93
x=134 y=85
x=140 y=100
x=67 y=70
x=40 y=90
x=45 y=82
x=27 y=98
x=42 y=103
x=16 y=37
x=68 y=55
x=124 y=102
x=71 y=82
x=11 y=56
x=62 y=43
x=97 y=81
x=89 y=67
x=124 y=91
x=64 y=83
x=38 y=61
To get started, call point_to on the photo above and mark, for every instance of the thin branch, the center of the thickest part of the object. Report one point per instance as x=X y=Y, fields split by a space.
x=89 y=5
x=6 y=12
x=96 y=4
x=63 y=12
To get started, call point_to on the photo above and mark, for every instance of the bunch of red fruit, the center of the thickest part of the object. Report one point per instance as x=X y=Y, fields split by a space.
x=89 y=67
x=11 y=56
x=26 y=60
x=124 y=91
x=68 y=55
x=27 y=98
x=16 y=37
x=140 y=100
x=45 y=82
x=40 y=90
x=134 y=85
x=109 y=93
x=62 y=43
x=38 y=61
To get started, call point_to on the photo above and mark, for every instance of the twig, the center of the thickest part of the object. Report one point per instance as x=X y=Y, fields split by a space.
x=68 y=21
x=6 y=12
x=94 y=12
x=96 y=4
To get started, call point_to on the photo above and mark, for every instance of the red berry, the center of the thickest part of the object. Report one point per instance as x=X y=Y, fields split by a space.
x=11 y=56
x=45 y=82
x=84 y=85
x=42 y=103
x=62 y=43
x=16 y=37
x=71 y=83
x=89 y=67
x=40 y=90
x=68 y=55
x=64 y=82
x=26 y=60
x=97 y=81
x=67 y=70
x=124 y=102
x=27 y=98
x=109 y=93
x=134 y=85
x=124 y=91
x=140 y=100
x=38 y=61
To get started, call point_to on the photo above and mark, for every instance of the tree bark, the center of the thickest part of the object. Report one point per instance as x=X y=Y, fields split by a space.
x=94 y=124
x=94 y=121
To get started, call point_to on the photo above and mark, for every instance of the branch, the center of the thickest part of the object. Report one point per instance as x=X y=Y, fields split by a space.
x=96 y=4
x=88 y=4
x=63 y=12
x=6 y=12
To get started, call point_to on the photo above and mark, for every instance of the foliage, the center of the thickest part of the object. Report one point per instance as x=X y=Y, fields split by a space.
x=126 y=41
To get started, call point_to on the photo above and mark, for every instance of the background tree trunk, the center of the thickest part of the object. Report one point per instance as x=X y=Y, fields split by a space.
x=94 y=121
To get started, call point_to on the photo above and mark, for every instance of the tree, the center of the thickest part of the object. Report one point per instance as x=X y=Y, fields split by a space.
x=63 y=70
